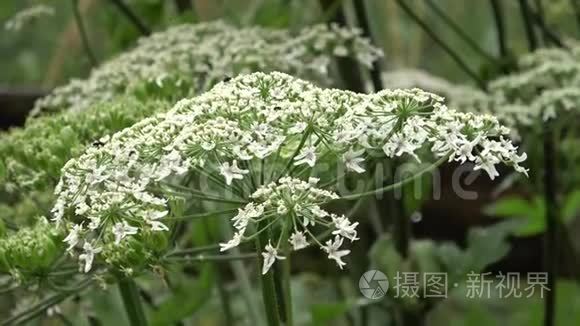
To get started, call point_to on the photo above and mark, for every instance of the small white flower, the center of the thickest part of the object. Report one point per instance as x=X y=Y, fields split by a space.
x=152 y=218
x=270 y=256
x=318 y=212
x=313 y=181
x=352 y=160
x=82 y=208
x=306 y=156
x=282 y=209
x=465 y=151
x=94 y=223
x=72 y=239
x=344 y=227
x=234 y=242
x=340 y=51
x=231 y=172
x=123 y=229
x=487 y=163
x=297 y=128
x=298 y=240
x=332 y=248
x=88 y=256
x=208 y=145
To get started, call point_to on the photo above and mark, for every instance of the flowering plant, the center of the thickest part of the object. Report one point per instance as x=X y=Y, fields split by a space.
x=138 y=83
x=188 y=59
x=254 y=139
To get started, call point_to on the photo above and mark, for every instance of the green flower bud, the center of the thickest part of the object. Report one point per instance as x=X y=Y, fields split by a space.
x=31 y=251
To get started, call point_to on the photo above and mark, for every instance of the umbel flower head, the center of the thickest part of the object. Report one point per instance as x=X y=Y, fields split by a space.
x=188 y=59
x=546 y=85
x=256 y=140
x=32 y=251
x=28 y=15
x=168 y=65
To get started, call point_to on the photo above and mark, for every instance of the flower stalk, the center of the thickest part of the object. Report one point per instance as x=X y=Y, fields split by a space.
x=269 y=296
x=132 y=302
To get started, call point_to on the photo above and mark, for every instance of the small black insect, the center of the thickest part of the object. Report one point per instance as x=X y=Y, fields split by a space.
x=98 y=143
x=227 y=79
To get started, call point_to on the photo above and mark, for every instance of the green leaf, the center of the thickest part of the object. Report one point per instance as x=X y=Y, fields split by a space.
x=186 y=300
x=531 y=214
x=453 y=260
x=571 y=206
x=488 y=245
x=324 y=313
x=510 y=207
x=385 y=256
x=2 y=170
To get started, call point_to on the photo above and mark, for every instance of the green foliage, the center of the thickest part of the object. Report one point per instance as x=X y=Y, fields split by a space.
x=188 y=297
x=485 y=246
x=30 y=252
x=531 y=213
x=33 y=156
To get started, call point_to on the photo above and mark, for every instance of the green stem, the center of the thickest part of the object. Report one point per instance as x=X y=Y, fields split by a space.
x=83 y=34
x=397 y=184
x=457 y=29
x=286 y=277
x=214 y=258
x=435 y=37
x=243 y=279
x=132 y=302
x=268 y=288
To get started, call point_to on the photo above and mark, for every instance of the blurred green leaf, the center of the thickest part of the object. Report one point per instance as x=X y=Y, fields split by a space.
x=186 y=299
x=324 y=313
x=571 y=206
x=530 y=212
x=2 y=170
x=488 y=245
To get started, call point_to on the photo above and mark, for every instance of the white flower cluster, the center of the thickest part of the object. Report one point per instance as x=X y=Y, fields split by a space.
x=411 y=78
x=188 y=59
x=294 y=206
x=251 y=131
x=546 y=84
x=27 y=15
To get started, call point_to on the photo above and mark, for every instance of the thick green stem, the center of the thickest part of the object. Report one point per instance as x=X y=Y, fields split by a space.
x=551 y=250
x=243 y=279
x=286 y=275
x=268 y=287
x=132 y=302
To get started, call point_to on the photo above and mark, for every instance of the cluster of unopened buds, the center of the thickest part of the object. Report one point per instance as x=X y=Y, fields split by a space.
x=260 y=141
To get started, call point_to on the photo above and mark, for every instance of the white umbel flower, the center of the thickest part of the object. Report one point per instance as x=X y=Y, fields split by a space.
x=88 y=256
x=352 y=160
x=142 y=169
x=123 y=229
x=270 y=256
x=306 y=156
x=232 y=171
x=298 y=240
x=332 y=248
